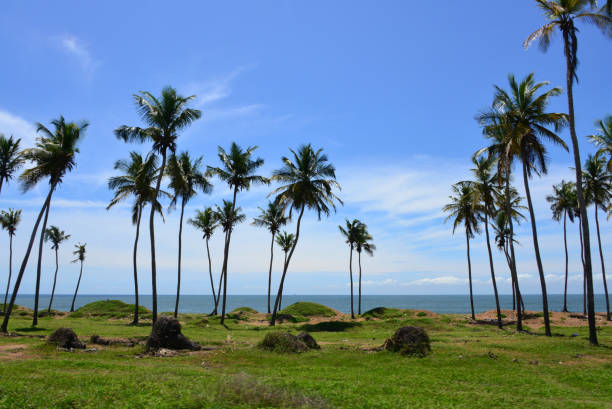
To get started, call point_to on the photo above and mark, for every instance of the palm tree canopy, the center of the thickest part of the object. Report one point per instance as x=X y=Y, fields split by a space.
x=272 y=218
x=285 y=240
x=186 y=177
x=79 y=252
x=485 y=183
x=238 y=167
x=205 y=221
x=351 y=232
x=363 y=241
x=462 y=208
x=603 y=139
x=307 y=181
x=10 y=220
x=55 y=236
x=11 y=157
x=597 y=182
x=563 y=200
x=228 y=217
x=54 y=153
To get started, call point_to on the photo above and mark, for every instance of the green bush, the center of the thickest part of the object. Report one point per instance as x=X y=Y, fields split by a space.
x=282 y=342
x=421 y=314
x=109 y=309
x=308 y=309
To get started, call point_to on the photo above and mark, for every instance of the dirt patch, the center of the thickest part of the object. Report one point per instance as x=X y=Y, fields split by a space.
x=12 y=352
x=535 y=320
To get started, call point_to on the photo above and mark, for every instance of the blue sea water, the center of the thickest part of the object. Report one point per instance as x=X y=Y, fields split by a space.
x=444 y=304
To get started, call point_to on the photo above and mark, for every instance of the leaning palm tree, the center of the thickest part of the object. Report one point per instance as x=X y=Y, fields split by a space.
x=285 y=241
x=137 y=180
x=9 y=222
x=603 y=139
x=53 y=157
x=80 y=258
x=11 y=158
x=308 y=181
x=272 y=219
x=238 y=172
x=562 y=206
x=164 y=118
x=186 y=179
x=463 y=210
x=562 y=15
x=598 y=192
x=56 y=237
x=350 y=234
x=206 y=222
x=363 y=243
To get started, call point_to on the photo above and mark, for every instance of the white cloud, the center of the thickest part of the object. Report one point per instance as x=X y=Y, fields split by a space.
x=443 y=280
x=11 y=124
x=76 y=48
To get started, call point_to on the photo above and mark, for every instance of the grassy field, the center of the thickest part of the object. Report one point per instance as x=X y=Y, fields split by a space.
x=471 y=366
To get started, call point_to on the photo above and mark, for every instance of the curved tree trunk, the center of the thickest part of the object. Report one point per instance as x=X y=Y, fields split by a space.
x=228 y=238
x=218 y=294
x=77 y=288
x=536 y=247
x=566 y=259
x=152 y=235
x=280 y=301
x=270 y=271
x=499 y=318
x=180 y=248
x=467 y=240
x=519 y=315
x=584 y=294
x=351 y=274
x=54 y=282
x=135 y=321
x=359 y=258
x=39 y=266
x=212 y=284
x=603 y=267
x=8 y=284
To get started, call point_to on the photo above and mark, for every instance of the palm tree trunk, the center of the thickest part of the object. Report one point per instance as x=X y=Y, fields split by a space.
x=218 y=294
x=536 y=247
x=286 y=266
x=603 y=267
x=566 y=259
x=228 y=238
x=152 y=234
x=519 y=317
x=584 y=294
x=180 y=248
x=499 y=319
x=39 y=266
x=212 y=284
x=588 y=272
x=351 y=274
x=8 y=284
x=467 y=239
x=359 y=307
x=270 y=271
x=135 y=321
x=54 y=281
x=280 y=302
x=77 y=288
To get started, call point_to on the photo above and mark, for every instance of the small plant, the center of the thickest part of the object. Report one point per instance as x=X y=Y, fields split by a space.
x=421 y=314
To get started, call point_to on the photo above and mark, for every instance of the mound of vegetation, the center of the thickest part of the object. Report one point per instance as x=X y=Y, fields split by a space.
x=17 y=310
x=409 y=341
x=384 y=312
x=308 y=340
x=245 y=309
x=330 y=326
x=166 y=333
x=285 y=342
x=308 y=309
x=109 y=309
x=65 y=338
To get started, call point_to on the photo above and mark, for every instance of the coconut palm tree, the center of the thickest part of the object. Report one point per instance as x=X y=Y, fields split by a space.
x=308 y=181
x=598 y=192
x=186 y=179
x=137 y=179
x=350 y=233
x=363 y=243
x=285 y=241
x=562 y=15
x=164 y=117
x=603 y=139
x=562 y=206
x=464 y=210
x=272 y=219
x=9 y=222
x=53 y=157
x=11 y=158
x=80 y=258
x=206 y=222
x=238 y=172
x=56 y=237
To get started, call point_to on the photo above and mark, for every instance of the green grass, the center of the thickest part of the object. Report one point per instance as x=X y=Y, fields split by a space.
x=308 y=309
x=110 y=309
x=345 y=373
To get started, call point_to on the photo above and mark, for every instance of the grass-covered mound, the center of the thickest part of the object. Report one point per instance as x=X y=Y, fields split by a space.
x=308 y=309
x=246 y=309
x=17 y=310
x=384 y=313
x=110 y=309
x=282 y=342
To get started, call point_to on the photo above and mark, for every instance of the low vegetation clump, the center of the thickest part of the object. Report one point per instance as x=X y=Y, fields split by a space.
x=245 y=310
x=166 y=333
x=330 y=326
x=65 y=338
x=283 y=342
x=384 y=312
x=308 y=340
x=409 y=341
x=308 y=309
x=110 y=309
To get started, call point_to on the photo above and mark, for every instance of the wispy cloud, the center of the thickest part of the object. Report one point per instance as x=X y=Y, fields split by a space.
x=75 y=47
x=11 y=124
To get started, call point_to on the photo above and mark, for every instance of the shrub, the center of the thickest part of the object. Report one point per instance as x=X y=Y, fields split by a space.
x=421 y=314
x=245 y=309
x=166 y=333
x=282 y=342
x=308 y=309
x=65 y=338
x=409 y=341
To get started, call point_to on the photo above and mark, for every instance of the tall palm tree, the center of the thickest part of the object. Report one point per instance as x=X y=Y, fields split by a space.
x=308 y=181
x=56 y=237
x=562 y=15
x=9 y=222
x=598 y=192
x=206 y=222
x=562 y=206
x=53 y=157
x=186 y=179
x=80 y=258
x=272 y=219
x=238 y=172
x=137 y=180
x=350 y=233
x=463 y=210
x=11 y=158
x=363 y=243
x=485 y=191
x=164 y=118
x=603 y=139
x=285 y=241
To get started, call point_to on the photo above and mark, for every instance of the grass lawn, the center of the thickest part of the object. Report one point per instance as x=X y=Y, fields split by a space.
x=470 y=366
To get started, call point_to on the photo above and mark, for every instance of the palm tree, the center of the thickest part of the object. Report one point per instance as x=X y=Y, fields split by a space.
x=463 y=210
x=603 y=139
x=485 y=191
x=53 y=157
x=598 y=191
x=272 y=219
x=9 y=222
x=206 y=222
x=363 y=243
x=137 y=179
x=80 y=257
x=562 y=15
x=11 y=158
x=186 y=179
x=285 y=241
x=56 y=237
x=350 y=233
x=239 y=173
x=307 y=181
x=165 y=117
x=562 y=205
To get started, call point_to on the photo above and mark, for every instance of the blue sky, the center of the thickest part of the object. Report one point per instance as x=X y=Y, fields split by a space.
x=388 y=89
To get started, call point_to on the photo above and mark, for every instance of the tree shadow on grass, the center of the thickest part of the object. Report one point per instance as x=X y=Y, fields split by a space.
x=31 y=329
x=330 y=326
